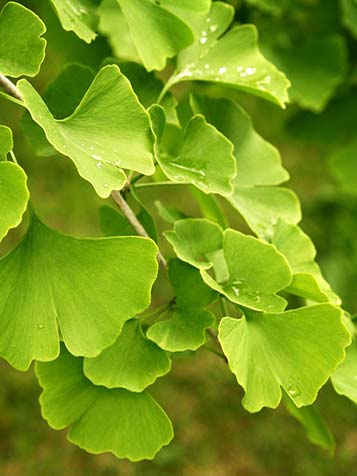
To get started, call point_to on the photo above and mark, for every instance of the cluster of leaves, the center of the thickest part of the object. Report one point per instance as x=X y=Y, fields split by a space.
x=80 y=307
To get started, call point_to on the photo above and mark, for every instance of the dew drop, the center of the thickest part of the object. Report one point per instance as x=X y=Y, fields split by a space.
x=293 y=390
x=239 y=68
x=91 y=147
x=208 y=20
x=40 y=326
x=204 y=33
x=83 y=145
x=236 y=290
x=206 y=66
x=249 y=71
x=96 y=157
x=117 y=163
x=222 y=70
x=99 y=165
x=213 y=28
x=105 y=185
x=203 y=40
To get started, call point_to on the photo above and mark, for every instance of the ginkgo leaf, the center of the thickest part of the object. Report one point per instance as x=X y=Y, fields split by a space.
x=344 y=379
x=315 y=69
x=79 y=16
x=297 y=351
x=256 y=200
x=316 y=428
x=186 y=9
x=299 y=250
x=262 y=207
x=103 y=135
x=71 y=282
x=22 y=50
x=14 y=195
x=157 y=33
x=206 y=159
x=250 y=284
x=184 y=330
x=133 y=362
x=233 y=58
x=186 y=327
x=6 y=142
x=113 y=25
x=196 y=240
x=169 y=214
x=129 y=425
x=210 y=207
x=62 y=96
x=349 y=15
x=253 y=154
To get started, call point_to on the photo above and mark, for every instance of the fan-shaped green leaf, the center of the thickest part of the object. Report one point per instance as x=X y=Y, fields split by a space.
x=344 y=379
x=14 y=196
x=250 y=283
x=108 y=130
x=22 y=49
x=133 y=362
x=296 y=350
x=343 y=165
x=79 y=16
x=157 y=33
x=299 y=250
x=129 y=425
x=233 y=59
x=206 y=159
x=349 y=15
x=71 y=282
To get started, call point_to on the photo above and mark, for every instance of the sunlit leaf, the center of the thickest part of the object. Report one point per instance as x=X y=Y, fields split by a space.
x=297 y=351
x=133 y=362
x=232 y=59
x=344 y=379
x=71 y=282
x=103 y=135
x=157 y=33
x=129 y=425
x=6 y=142
x=79 y=16
x=22 y=49
x=206 y=159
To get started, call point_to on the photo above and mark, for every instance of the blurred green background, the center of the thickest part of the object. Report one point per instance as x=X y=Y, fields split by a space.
x=215 y=436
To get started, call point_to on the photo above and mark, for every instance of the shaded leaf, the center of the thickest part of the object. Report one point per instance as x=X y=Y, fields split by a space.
x=296 y=351
x=343 y=166
x=6 y=142
x=22 y=49
x=129 y=425
x=349 y=15
x=102 y=135
x=71 y=282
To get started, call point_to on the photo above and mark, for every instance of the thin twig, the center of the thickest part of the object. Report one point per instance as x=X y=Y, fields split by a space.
x=10 y=87
x=130 y=215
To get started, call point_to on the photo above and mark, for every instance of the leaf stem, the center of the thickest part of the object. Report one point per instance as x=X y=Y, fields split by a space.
x=224 y=306
x=13 y=156
x=216 y=352
x=130 y=215
x=10 y=88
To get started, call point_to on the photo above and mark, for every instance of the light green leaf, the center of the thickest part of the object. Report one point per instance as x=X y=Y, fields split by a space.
x=79 y=16
x=253 y=154
x=262 y=207
x=195 y=240
x=6 y=142
x=62 y=96
x=129 y=425
x=309 y=417
x=344 y=379
x=315 y=69
x=185 y=330
x=296 y=351
x=114 y=27
x=133 y=362
x=232 y=59
x=14 y=196
x=102 y=135
x=22 y=49
x=300 y=252
x=206 y=159
x=349 y=15
x=169 y=214
x=343 y=166
x=256 y=273
x=71 y=282
x=156 y=32
x=186 y=9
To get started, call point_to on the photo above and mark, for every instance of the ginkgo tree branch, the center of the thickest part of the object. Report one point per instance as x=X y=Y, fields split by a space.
x=130 y=215
x=10 y=87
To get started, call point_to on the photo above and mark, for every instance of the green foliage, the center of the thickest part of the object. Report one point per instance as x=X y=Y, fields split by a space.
x=92 y=312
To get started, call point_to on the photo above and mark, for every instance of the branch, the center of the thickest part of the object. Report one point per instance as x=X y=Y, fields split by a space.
x=10 y=87
x=130 y=215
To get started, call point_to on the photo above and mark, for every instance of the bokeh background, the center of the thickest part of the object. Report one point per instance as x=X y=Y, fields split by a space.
x=215 y=436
